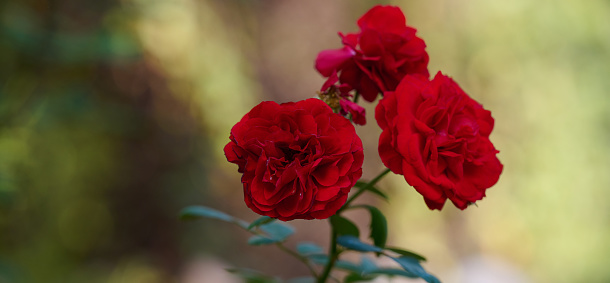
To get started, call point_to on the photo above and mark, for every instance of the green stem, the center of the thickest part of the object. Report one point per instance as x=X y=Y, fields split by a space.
x=356 y=96
x=365 y=188
x=332 y=255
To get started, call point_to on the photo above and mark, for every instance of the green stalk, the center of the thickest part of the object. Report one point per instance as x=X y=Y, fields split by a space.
x=362 y=190
x=332 y=255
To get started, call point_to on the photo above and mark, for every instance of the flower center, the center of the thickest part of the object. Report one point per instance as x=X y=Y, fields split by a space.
x=289 y=153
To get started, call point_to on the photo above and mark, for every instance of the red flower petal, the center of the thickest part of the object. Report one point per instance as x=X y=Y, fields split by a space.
x=331 y=60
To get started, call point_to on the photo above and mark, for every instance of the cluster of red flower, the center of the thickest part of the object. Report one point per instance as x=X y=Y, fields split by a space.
x=300 y=160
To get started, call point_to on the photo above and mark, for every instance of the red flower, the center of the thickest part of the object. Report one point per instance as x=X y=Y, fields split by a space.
x=299 y=160
x=438 y=138
x=379 y=56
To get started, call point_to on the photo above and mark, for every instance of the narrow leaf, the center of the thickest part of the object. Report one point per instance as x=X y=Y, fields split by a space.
x=260 y=221
x=356 y=277
x=198 y=211
x=379 y=226
x=257 y=240
x=277 y=230
x=346 y=265
x=412 y=266
x=322 y=259
x=306 y=248
x=353 y=243
x=252 y=276
x=392 y=272
x=367 y=264
x=372 y=189
x=343 y=226
x=406 y=253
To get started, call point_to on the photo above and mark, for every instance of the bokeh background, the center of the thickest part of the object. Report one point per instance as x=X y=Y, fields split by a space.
x=113 y=116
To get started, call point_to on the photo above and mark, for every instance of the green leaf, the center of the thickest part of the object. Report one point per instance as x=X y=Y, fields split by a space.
x=367 y=264
x=277 y=230
x=391 y=272
x=306 y=248
x=372 y=189
x=411 y=265
x=379 y=226
x=260 y=240
x=322 y=259
x=252 y=276
x=355 y=277
x=406 y=253
x=353 y=243
x=199 y=211
x=346 y=265
x=343 y=226
x=260 y=221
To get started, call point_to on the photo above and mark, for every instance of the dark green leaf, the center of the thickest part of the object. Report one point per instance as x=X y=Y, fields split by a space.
x=353 y=243
x=260 y=240
x=355 y=277
x=379 y=226
x=372 y=189
x=343 y=226
x=406 y=253
x=391 y=272
x=309 y=249
x=252 y=276
x=411 y=265
x=260 y=221
x=277 y=230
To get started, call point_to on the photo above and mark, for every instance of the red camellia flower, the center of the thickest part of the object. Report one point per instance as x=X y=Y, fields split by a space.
x=299 y=160
x=438 y=138
x=379 y=56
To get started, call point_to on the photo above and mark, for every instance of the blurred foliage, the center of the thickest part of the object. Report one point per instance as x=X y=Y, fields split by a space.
x=94 y=148
x=113 y=115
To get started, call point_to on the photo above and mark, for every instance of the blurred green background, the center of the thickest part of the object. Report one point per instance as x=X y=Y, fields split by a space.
x=113 y=116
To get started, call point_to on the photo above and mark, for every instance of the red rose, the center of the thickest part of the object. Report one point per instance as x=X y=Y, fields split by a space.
x=299 y=160
x=438 y=138
x=379 y=56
